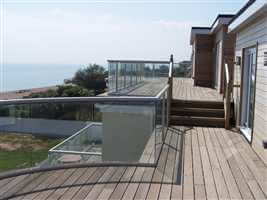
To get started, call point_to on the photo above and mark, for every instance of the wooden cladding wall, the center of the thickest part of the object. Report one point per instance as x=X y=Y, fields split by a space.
x=203 y=60
x=205 y=57
x=251 y=35
x=265 y=59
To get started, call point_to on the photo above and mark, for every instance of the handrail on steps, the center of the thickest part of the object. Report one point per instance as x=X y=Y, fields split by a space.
x=170 y=83
x=227 y=96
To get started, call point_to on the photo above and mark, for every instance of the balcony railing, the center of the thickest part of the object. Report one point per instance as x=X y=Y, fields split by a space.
x=128 y=75
x=119 y=129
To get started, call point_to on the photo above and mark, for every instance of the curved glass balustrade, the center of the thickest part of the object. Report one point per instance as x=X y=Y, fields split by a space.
x=84 y=130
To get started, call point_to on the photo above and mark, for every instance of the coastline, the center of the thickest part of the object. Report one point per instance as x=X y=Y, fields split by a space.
x=19 y=94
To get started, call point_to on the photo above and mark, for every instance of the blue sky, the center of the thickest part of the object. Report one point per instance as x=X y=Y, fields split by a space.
x=83 y=32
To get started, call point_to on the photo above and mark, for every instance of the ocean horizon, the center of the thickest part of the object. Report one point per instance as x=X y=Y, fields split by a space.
x=26 y=76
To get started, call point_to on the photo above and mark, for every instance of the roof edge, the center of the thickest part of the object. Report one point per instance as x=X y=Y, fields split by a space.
x=242 y=10
x=222 y=16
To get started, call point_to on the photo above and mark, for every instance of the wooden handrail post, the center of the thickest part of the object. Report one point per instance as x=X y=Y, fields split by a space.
x=170 y=81
x=227 y=96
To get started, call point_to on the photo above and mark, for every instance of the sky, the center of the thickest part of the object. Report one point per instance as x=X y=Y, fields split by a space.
x=64 y=32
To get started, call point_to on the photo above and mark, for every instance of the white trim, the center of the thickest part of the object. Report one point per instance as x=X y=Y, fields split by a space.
x=257 y=8
x=247 y=133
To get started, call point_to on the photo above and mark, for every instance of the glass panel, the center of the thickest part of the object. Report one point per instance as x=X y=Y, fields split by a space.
x=137 y=78
x=50 y=134
x=248 y=92
x=161 y=123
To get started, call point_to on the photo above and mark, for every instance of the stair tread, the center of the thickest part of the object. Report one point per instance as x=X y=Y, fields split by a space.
x=196 y=117
x=195 y=101
x=197 y=121
x=197 y=109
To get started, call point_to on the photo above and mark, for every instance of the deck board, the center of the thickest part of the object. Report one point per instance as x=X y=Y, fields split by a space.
x=216 y=169
x=184 y=89
x=166 y=188
x=233 y=190
x=84 y=190
x=70 y=181
x=199 y=185
x=159 y=171
x=110 y=186
x=73 y=190
x=177 y=179
x=240 y=180
x=188 y=184
x=59 y=181
x=195 y=163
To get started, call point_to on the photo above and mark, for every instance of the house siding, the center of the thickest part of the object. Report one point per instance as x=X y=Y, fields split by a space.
x=203 y=60
x=226 y=53
x=255 y=33
x=219 y=40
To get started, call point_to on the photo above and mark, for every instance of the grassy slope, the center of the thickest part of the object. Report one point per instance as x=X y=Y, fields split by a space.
x=26 y=152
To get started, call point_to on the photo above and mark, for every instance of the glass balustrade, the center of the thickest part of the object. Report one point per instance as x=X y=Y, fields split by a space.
x=137 y=78
x=58 y=131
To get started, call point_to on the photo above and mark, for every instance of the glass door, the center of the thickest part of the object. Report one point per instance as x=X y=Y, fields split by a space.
x=248 y=92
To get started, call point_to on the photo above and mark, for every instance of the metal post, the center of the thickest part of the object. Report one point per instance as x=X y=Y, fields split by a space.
x=168 y=109
x=163 y=118
x=170 y=81
x=153 y=71
x=131 y=74
x=137 y=73
x=124 y=75
x=116 y=77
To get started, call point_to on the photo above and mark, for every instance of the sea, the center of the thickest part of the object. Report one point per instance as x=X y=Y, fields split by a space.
x=26 y=76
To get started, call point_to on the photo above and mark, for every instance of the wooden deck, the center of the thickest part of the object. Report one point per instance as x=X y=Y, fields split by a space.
x=195 y=163
x=184 y=89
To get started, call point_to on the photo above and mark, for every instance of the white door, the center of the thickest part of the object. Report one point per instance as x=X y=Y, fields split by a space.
x=248 y=92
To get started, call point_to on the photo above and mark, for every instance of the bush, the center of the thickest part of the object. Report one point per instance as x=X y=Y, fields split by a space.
x=92 y=78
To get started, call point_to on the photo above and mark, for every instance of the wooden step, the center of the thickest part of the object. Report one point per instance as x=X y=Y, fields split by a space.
x=198 y=112
x=197 y=121
x=197 y=104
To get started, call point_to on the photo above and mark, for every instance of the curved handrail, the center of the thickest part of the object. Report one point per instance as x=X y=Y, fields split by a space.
x=78 y=100
x=99 y=99
x=227 y=75
x=163 y=91
x=34 y=170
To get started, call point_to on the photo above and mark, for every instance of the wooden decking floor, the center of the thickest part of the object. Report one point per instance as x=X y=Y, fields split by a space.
x=195 y=163
x=184 y=89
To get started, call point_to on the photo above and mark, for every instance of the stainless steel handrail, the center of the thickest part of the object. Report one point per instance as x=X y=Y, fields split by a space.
x=84 y=99
x=77 y=99
x=162 y=91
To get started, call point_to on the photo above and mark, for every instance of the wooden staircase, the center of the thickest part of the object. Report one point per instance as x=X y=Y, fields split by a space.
x=197 y=113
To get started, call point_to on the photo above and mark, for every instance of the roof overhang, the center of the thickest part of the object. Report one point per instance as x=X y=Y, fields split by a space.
x=248 y=14
x=198 y=30
x=221 y=20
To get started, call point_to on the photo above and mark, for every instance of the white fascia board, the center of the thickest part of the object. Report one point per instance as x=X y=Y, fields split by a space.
x=250 y=13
